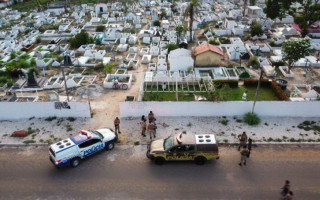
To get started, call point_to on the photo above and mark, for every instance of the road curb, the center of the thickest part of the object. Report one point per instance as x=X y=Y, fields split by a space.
x=144 y=144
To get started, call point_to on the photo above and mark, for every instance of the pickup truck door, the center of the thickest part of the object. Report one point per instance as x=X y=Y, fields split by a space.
x=90 y=147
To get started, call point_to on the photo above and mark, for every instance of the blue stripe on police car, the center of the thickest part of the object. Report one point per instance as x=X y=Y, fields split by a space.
x=93 y=150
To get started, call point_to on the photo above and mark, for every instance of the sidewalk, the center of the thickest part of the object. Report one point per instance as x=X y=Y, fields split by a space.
x=271 y=130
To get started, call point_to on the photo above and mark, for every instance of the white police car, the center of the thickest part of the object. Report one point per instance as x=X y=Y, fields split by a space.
x=70 y=151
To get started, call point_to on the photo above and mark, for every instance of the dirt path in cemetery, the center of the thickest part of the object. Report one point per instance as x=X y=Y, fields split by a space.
x=106 y=107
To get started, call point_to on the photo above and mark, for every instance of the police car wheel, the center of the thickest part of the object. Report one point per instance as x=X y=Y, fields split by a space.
x=110 y=146
x=159 y=160
x=75 y=162
x=200 y=160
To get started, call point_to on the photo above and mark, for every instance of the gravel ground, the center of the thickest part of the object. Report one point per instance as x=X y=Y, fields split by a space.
x=271 y=129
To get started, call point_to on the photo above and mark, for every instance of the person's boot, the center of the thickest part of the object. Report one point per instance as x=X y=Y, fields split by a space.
x=244 y=163
x=239 y=164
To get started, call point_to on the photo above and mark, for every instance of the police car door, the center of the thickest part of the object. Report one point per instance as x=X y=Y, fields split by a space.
x=89 y=147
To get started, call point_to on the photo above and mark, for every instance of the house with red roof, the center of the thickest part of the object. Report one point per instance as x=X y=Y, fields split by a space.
x=207 y=55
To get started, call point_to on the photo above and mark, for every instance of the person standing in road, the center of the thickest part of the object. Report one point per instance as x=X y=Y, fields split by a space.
x=151 y=117
x=249 y=144
x=143 y=126
x=117 y=125
x=143 y=118
x=286 y=191
x=243 y=140
x=244 y=154
x=151 y=130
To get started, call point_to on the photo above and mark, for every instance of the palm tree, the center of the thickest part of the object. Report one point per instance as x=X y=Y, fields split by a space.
x=190 y=12
x=179 y=30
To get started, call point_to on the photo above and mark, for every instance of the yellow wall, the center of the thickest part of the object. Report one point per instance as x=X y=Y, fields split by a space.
x=208 y=59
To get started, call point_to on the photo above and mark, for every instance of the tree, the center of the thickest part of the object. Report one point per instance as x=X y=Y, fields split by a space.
x=310 y=12
x=80 y=39
x=156 y=23
x=255 y=28
x=163 y=14
x=38 y=39
x=219 y=92
x=171 y=47
x=191 y=11
x=254 y=62
x=293 y=50
x=174 y=7
x=272 y=9
x=309 y=15
x=179 y=30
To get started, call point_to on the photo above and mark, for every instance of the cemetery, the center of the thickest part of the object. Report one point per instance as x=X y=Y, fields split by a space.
x=53 y=48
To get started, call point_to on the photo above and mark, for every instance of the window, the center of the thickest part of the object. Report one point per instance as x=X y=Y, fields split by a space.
x=89 y=143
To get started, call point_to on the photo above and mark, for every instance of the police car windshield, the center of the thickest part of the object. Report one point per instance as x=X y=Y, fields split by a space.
x=98 y=134
x=168 y=143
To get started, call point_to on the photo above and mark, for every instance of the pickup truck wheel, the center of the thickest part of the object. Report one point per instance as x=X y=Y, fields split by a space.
x=110 y=146
x=148 y=154
x=75 y=162
x=200 y=160
x=159 y=160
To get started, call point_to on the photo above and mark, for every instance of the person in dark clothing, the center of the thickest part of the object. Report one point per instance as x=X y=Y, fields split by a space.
x=143 y=118
x=243 y=140
x=286 y=192
x=117 y=125
x=244 y=154
x=249 y=144
x=151 y=117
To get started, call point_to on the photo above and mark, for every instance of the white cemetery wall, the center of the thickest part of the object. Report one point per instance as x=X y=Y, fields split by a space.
x=231 y=108
x=20 y=110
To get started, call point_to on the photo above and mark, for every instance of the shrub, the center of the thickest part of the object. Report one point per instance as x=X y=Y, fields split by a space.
x=254 y=62
x=30 y=131
x=38 y=40
x=100 y=28
x=220 y=83
x=256 y=28
x=13 y=55
x=71 y=119
x=213 y=42
x=251 y=119
x=224 y=122
x=156 y=23
x=50 y=118
x=254 y=83
x=29 y=141
x=278 y=63
x=244 y=75
x=136 y=143
x=80 y=39
x=278 y=91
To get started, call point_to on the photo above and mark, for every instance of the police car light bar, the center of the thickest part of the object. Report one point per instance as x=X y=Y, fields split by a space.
x=85 y=133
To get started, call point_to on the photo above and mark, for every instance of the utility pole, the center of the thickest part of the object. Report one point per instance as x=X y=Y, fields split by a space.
x=66 y=63
x=257 y=91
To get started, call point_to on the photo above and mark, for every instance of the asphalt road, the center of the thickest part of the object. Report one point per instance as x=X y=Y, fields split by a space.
x=125 y=173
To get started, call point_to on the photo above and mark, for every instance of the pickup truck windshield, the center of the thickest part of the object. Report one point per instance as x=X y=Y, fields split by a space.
x=168 y=143
x=98 y=134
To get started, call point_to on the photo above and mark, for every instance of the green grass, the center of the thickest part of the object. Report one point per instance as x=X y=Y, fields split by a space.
x=231 y=94
x=168 y=96
x=235 y=94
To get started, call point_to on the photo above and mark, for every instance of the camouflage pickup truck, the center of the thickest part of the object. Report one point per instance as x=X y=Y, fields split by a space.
x=199 y=148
